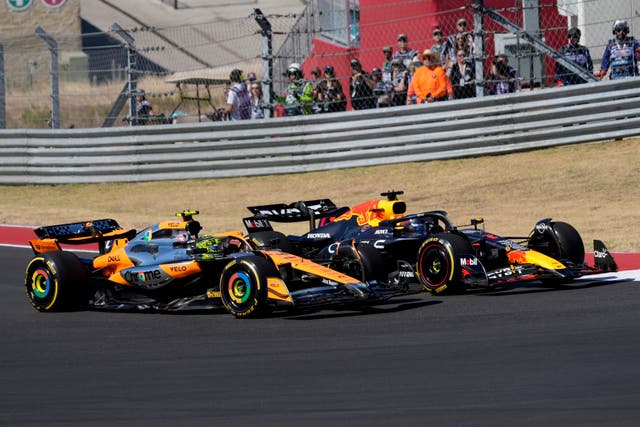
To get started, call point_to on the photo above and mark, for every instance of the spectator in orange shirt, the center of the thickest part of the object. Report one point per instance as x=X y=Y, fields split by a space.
x=430 y=82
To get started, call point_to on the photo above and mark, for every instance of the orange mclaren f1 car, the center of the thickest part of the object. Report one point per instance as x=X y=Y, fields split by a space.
x=171 y=267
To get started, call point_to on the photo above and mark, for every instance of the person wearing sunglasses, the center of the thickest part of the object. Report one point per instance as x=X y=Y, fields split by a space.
x=258 y=106
x=461 y=39
x=576 y=53
x=463 y=77
x=621 y=53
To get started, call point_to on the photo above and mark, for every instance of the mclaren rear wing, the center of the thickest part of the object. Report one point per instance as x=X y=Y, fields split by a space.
x=80 y=233
x=307 y=210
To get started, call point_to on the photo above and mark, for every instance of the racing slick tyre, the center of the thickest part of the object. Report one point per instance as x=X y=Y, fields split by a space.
x=243 y=286
x=56 y=281
x=438 y=267
x=270 y=240
x=362 y=262
x=560 y=241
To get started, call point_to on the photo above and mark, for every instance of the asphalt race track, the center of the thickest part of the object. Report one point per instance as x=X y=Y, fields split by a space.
x=526 y=356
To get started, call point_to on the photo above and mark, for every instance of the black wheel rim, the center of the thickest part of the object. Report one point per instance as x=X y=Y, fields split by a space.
x=433 y=266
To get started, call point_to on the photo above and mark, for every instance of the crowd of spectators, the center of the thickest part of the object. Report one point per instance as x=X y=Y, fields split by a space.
x=446 y=70
x=442 y=72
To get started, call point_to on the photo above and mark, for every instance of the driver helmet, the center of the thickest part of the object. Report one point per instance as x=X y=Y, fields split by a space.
x=415 y=225
x=621 y=24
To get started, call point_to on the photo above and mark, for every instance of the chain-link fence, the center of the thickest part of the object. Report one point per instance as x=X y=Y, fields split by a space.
x=183 y=69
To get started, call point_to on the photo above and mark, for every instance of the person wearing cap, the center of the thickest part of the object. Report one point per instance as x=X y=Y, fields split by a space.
x=399 y=82
x=621 y=53
x=299 y=94
x=576 y=53
x=387 y=51
x=251 y=77
x=430 y=82
x=462 y=38
x=238 y=105
x=438 y=46
x=405 y=53
x=361 y=87
x=331 y=93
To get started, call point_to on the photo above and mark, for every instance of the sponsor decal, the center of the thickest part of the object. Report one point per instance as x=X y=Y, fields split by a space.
x=113 y=258
x=502 y=273
x=280 y=212
x=52 y=268
x=257 y=223
x=213 y=293
x=329 y=282
x=510 y=245
x=178 y=268
x=383 y=231
x=440 y=289
x=601 y=254
x=468 y=261
x=405 y=273
x=147 y=235
x=379 y=244
x=318 y=236
x=144 y=278
x=541 y=227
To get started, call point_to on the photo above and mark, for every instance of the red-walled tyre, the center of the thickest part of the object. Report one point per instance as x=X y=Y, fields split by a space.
x=438 y=266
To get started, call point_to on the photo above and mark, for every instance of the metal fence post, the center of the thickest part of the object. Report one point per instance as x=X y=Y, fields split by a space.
x=478 y=30
x=55 y=94
x=132 y=72
x=3 y=105
x=267 y=59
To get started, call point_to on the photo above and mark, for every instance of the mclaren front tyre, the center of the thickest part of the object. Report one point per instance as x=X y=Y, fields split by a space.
x=243 y=286
x=56 y=281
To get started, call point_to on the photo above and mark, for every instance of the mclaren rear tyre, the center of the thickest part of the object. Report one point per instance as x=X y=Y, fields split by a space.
x=56 y=281
x=243 y=286
x=438 y=265
x=270 y=240
x=362 y=262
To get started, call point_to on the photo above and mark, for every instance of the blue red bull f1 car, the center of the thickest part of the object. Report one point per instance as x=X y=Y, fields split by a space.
x=377 y=241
